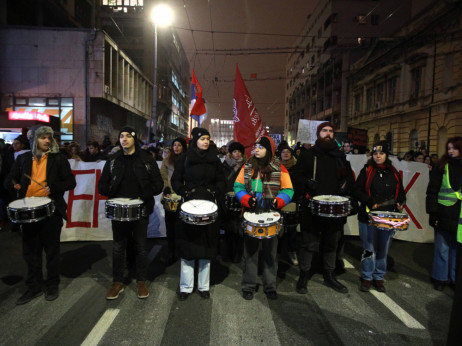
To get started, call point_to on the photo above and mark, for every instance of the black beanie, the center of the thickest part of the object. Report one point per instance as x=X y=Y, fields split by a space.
x=182 y=141
x=381 y=146
x=236 y=146
x=197 y=133
x=268 y=143
x=131 y=131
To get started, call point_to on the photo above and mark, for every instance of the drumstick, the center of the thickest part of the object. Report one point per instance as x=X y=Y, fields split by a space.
x=35 y=181
x=314 y=169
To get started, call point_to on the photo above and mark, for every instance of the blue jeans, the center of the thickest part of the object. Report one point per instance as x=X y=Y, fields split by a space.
x=376 y=244
x=444 y=260
x=187 y=275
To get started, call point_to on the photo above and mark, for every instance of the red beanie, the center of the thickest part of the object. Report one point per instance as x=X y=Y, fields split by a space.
x=323 y=125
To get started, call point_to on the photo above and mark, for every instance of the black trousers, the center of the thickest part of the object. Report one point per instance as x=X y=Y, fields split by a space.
x=170 y=219
x=319 y=233
x=123 y=232
x=36 y=238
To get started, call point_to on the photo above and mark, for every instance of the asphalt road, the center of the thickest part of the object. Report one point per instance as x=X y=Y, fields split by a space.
x=411 y=312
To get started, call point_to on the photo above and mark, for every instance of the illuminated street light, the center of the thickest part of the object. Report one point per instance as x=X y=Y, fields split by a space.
x=161 y=15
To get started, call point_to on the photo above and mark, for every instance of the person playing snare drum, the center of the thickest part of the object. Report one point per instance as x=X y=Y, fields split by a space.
x=130 y=173
x=320 y=170
x=198 y=175
x=378 y=188
x=262 y=184
x=42 y=172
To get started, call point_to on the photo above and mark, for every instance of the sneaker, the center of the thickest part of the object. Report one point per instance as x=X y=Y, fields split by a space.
x=204 y=294
x=115 y=290
x=183 y=296
x=365 y=285
x=142 y=290
x=293 y=258
x=51 y=293
x=28 y=296
x=379 y=286
x=247 y=295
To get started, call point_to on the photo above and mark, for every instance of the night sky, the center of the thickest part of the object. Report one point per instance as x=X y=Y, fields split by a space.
x=237 y=25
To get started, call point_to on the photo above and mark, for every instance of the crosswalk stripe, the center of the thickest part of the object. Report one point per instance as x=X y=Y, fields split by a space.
x=399 y=312
x=101 y=327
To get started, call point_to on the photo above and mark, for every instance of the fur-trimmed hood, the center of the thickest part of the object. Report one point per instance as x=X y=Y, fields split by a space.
x=37 y=131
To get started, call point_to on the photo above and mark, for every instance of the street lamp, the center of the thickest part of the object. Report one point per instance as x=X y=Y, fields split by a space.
x=161 y=15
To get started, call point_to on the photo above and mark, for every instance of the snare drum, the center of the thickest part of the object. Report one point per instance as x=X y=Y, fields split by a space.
x=263 y=225
x=199 y=212
x=290 y=215
x=231 y=202
x=30 y=209
x=172 y=203
x=389 y=220
x=125 y=209
x=330 y=206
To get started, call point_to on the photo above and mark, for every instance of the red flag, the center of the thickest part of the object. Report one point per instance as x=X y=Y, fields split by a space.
x=248 y=126
x=197 y=102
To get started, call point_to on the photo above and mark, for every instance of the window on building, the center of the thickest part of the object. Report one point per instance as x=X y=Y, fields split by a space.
x=414 y=139
x=357 y=109
x=369 y=98
x=320 y=33
x=379 y=95
x=375 y=19
x=392 y=90
x=416 y=82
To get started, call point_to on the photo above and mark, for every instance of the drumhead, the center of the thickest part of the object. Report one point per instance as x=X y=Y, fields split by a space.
x=199 y=207
x=389 y=214
x=125 y=201
x=29 y=202
x=262 y=218
x=330 y=199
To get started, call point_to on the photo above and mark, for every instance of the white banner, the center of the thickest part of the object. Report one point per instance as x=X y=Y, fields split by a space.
x=415 y=180
x=87 y=220
x=85 y=207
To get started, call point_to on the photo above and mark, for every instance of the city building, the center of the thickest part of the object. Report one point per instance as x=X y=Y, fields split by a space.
x=336 y=35
x=93 y=80
x=221 y=131
x=407 y=89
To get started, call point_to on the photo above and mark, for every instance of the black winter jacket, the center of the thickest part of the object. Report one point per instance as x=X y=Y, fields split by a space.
x=59 y=178
x=147 y=175
x=383 y=188
x=196 y=172
x=447 y=216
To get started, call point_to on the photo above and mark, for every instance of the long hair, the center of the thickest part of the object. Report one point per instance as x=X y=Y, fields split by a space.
x=261 y=165
x=457 y=144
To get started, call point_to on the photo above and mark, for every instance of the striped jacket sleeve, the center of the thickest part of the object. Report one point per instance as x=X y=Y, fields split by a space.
x=286 y=191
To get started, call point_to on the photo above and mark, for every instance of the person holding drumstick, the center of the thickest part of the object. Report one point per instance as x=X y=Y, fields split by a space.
x=263 y=184
x=130 y=173
x=198 y=175
x=320 y=170
x=179 y=146
x=378 y=188
x=42 y=172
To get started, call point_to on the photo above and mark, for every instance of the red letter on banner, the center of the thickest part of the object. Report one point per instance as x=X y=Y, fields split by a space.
x=406 y=189
x=73 y=198
x=98 y=198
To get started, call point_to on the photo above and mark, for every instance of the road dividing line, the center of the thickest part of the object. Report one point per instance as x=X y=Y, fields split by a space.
x=407 y=319
x=101 y=327
x=348 y=264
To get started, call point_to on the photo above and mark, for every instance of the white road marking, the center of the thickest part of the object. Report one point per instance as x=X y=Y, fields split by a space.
x=101 y=327
x=348 y=264
x=399 y=312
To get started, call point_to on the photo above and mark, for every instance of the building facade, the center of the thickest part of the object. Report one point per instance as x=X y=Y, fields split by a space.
x=408 y=89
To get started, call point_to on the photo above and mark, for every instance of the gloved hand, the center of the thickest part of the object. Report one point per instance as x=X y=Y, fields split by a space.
x=278 y=203
x=433 y=220
x=249 y=202
x=311 y=186
x=252 y=203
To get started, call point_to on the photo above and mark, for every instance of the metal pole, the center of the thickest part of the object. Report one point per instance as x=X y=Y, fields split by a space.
x=153 y=123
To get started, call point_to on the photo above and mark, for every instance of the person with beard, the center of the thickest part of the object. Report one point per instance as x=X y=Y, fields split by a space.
x=130 y=173
x=198 y=174
x=333 y=176
x=378 y=188
x=233 y=237
x=179 y=147
x=262 y=176
x=289 y=238
x=51 y=176
x=443 y=203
